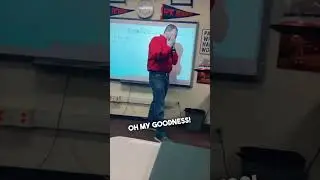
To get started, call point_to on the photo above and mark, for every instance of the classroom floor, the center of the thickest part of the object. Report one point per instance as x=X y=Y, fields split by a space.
x=74 y=152
x=119 y=127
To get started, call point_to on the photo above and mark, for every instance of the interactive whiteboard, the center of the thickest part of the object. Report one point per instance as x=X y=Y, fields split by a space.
x=129 y=42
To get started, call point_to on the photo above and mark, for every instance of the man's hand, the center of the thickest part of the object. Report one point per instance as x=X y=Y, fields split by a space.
x=171 y=42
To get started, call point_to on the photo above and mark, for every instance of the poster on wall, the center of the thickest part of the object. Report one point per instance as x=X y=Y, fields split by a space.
x=300 y=52
x=118 y=11
x=203 y=75
x=205 y=42
x=170 y=12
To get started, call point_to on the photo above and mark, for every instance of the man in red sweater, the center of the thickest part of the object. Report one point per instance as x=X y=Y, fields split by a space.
x=162 y=56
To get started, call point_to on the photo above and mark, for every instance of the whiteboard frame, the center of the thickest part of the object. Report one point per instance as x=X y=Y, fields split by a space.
x=190 y=85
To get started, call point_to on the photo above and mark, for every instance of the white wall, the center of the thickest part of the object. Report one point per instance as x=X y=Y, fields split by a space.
x=39 y=94
x=196 y=97
x=24 y=88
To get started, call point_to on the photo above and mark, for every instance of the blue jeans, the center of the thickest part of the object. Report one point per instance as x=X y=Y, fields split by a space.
x=159 y=83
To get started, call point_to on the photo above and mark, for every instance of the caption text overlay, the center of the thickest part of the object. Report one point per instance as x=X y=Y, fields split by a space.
x=158 y=124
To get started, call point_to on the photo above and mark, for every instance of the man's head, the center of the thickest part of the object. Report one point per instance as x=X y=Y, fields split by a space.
x=171 y=31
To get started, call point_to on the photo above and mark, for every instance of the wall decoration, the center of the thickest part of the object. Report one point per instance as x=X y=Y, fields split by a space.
x=145 y=9
x=299 y=47
x=169 y=12
x=205 y=42
x=309 y=8
x=300 y=52
x=182 y=3
x=118 y=11
x=203 y=75
x=117 y=1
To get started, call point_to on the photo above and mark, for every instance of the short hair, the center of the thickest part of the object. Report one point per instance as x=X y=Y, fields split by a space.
x=170 y=27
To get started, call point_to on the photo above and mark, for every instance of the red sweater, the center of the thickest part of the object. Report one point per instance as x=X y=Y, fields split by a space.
x=161 y=57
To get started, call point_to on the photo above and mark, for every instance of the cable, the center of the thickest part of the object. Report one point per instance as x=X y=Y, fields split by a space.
x=58 y=123
x=206 y=115
x=129 y=95
x=224 y=157
x=312 y=162
x=179 y=107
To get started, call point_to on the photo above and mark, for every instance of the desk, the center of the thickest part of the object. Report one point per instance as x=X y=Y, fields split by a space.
x=132 y=159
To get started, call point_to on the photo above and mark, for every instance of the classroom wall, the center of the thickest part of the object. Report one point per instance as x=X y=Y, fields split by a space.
x=282 y=112
x=196 y=97
x=39 y=94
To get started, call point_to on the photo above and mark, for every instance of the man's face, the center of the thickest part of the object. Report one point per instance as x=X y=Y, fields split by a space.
x=174 y=34
x=171 y=34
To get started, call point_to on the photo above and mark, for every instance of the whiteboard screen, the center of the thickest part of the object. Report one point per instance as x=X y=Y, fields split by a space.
x=129 y=42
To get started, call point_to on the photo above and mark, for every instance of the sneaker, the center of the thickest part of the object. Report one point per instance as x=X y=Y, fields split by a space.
x=152 y=129
x=161 y=137
x=157 y=139
x=160 y=140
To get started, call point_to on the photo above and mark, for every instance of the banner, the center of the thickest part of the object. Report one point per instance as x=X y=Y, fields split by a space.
x=118 y=11
x=169 y=12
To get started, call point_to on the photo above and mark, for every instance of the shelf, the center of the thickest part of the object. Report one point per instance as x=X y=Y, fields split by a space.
x=301 y=15
x=296 y=29
x=202 y=70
